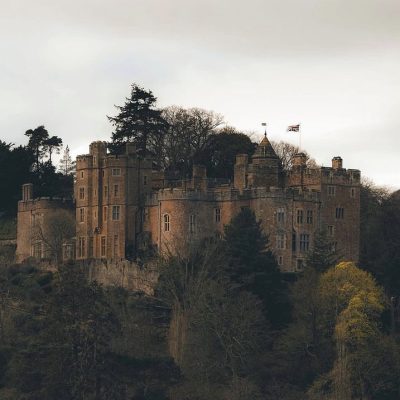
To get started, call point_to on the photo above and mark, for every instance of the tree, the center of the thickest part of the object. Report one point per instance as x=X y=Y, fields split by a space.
x=253 y=267
x=139 y=122
x=37 y=143
x=67 y=166
x=53 y=143
x=220 y=151
x=188 y=133
x=57 y=228
x=286 y=152
x=323 y=254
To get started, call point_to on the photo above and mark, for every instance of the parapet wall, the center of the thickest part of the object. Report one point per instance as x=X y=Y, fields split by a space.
x=125 y=274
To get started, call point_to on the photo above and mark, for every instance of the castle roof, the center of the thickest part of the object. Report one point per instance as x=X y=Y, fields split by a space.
x=265 y=150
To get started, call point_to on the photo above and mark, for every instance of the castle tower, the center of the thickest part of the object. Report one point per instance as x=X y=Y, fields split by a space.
x=109 y=191
x=266 y=168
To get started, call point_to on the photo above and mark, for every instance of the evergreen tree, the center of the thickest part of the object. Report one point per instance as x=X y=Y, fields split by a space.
x=53 y=143
x=323 y=255
x=253 y=267
x=37 y=143
x=138 y=121
x=67 y=166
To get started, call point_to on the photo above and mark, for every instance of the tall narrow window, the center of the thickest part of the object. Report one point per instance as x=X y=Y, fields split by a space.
x=81 y=247
x=304 y=242
x=294 y=240
x=353 y=193
x=192 y=223
x=299 y=216
x=115 y=213
x=281 y=241
x=280 y=215
x=105 y=191
x=280 y=260
x=144 y=180
x=309 y=216
x=339 y=213
x=91 y=247
x=81 y=193
x=217 y=215
x=331 y=190
x=103 y=246
x=166 y=223
x=82 y=215
x=331 y=230
x=116 y=190
x=105 y=211
x=116 y=246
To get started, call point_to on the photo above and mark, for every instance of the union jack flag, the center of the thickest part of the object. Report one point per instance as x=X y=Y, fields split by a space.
x=293 y=128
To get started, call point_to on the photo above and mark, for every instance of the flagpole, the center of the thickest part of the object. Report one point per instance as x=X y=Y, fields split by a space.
x=299 y=137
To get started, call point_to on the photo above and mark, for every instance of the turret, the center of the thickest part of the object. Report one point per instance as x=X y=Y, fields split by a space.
x=27 y=192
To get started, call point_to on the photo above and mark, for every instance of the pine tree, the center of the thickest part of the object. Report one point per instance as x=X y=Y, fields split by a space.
x=323 y=254
x=67 y=166
x=253 y=267
x=139 y=122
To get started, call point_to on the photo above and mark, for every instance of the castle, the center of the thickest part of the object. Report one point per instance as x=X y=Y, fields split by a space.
x=124 y=207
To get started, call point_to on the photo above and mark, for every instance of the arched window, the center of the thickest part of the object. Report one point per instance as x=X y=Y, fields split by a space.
x=166 y=223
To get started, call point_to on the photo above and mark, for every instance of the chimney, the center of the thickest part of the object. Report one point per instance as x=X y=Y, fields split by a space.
x=337 y=163
x=240 y=171
x=199 y=177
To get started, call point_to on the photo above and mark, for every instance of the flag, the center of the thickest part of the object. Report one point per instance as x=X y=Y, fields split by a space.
x=263 y=124
x=293 y=128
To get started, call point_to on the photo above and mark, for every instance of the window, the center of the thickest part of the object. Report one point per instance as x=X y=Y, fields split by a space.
x=105 y=211
x=145 y=214
x=81 y=247
x=166 y=223
x=331 y=190
x=90 y=247
x=217 y=215
x=294 y=240
x=115 y=213
x=334 y=246
x=37 y=250
x=116 y=190
x=116 y=172
x=144 y=180
x=331 y=230
x=105 y=191
x=309 y=216
x=103 y=246
x=81 y=174
x=192 y=223
x=280 y=260
x=102 y=173
x=81 y=193
x=353 y=193
x=281 y=241
x=81 y=215
x=116 y=246
x=280 y=215
x=299 y=216
x=299 y=264
x=339 y=212
x=304 y=242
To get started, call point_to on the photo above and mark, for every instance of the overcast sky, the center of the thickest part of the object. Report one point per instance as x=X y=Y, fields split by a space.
x=332 y=65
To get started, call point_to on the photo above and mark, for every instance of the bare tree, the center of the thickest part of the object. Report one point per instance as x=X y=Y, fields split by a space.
x=287 y=151
x=189 y=130
x=53 y=229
